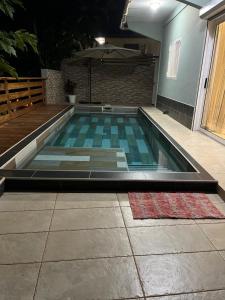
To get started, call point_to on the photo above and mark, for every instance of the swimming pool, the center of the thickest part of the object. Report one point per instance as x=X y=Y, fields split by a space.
x=94 y=148
x=106 y=141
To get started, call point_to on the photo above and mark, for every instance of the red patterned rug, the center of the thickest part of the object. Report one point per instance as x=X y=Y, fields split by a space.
x=173 y=205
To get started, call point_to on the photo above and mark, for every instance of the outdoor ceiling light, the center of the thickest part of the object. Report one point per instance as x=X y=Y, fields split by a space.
x=154 y=4
x=100 y=40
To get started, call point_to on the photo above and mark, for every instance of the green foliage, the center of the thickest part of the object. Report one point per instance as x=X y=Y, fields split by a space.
x=12 y=42
x=7 y=7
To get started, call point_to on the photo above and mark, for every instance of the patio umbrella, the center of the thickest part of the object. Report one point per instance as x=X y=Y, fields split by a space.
x=102 y=53
x=107 y=51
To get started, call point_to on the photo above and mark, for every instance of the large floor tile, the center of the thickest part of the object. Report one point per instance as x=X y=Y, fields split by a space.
x=18 y=281
x=222 y=253
x=130 y=222
x=87 y=218
x=22 y=248
x=181 y=273
x=123 y=199
x=211 y=295
x=216 y=234
x=188 y=238
x=111 y=278
x=87 y=244
x=150 y=240
x=28 y=221
x=86 y=200
x=35 y=201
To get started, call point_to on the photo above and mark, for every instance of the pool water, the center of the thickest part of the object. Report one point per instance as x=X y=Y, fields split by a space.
x=144 y=147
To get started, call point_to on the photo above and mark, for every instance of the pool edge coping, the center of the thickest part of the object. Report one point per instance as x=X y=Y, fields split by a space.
x=94 y=176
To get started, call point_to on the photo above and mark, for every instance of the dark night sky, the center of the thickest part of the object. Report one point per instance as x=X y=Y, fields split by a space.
x=49 y=18
x=52 y=11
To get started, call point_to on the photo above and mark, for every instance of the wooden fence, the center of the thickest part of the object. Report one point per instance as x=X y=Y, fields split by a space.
x=18 y=95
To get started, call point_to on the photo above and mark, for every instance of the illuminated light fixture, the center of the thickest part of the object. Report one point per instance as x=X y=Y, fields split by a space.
x=100 y=40
x=154 y=4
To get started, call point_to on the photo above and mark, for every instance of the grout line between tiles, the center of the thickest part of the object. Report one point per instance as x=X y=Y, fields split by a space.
x=24 y=210
x=185 y=293
x=66 y=259
x=69 y=208
x=105 y=257
x=99 y=228
x=135 y=262
x=35 y=289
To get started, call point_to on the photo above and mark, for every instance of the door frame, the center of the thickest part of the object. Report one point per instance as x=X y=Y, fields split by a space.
x=205 y=72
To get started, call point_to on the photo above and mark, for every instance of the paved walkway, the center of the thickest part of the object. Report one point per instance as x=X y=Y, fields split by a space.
x=207 y=152
x=87 y=246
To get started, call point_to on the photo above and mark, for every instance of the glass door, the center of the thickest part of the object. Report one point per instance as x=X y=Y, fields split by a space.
x=214 y=111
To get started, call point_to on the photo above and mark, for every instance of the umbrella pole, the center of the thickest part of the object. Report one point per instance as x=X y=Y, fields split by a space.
x=90 y=75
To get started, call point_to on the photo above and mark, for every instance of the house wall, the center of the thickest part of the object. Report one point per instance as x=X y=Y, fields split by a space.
x=153 y=30
x=112 y=84
x=178 y=97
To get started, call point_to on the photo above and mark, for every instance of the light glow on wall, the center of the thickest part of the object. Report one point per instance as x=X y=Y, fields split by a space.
x=154 y=4
x=100 y=40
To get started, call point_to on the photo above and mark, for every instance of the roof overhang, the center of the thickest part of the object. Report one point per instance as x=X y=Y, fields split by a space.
x=139 y=17
x=212 y=9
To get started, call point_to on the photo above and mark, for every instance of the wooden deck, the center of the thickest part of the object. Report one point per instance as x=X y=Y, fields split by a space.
x=12 y=131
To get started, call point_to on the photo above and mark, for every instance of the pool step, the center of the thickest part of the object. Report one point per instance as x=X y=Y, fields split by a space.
x=59 y=158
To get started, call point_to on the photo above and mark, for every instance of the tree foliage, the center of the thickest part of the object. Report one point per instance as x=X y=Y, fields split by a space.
x=67 y=26
x=12 y=42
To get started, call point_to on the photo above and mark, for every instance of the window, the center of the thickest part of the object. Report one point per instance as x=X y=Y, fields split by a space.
x=174 y=56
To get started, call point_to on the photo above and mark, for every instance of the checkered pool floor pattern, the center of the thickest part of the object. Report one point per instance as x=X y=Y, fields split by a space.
x=97 y=131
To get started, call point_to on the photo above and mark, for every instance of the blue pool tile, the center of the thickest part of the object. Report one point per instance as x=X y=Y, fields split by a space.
x=94 y=120
x=129 y=130
x=97 y=140
x=70 y=142
x=107 y=120
x=124 y=145
x=88 y=143
x=132 y=120
x=141 y=130
x=114 y=130
x=70 y=128
x=82 y=119
x=106 y=143
x=84 y=129
x=99 y=130
x=142 y=147
x=80 y=140
x=114 y=141
x=119 y=120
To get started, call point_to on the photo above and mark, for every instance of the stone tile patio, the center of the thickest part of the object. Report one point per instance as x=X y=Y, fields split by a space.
x=87 y=246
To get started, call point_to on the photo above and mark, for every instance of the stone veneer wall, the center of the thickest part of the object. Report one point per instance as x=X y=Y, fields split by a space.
x=54 y=86
x=180 y=112
x=113 y=84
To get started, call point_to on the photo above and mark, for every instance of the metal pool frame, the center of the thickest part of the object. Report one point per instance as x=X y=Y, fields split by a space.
x=103 y=181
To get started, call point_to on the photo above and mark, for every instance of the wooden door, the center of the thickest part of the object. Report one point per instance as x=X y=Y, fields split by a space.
x=214 y=111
